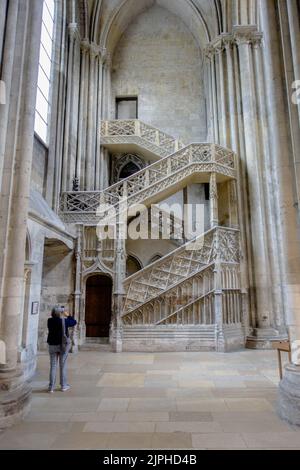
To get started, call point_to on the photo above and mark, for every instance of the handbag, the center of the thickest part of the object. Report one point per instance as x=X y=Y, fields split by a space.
x=65 y=341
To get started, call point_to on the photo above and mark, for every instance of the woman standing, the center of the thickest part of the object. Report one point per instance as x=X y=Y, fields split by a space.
x=58 y=351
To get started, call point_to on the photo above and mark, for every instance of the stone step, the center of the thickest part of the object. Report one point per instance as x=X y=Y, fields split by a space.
x=95 y=347
x=104 y=340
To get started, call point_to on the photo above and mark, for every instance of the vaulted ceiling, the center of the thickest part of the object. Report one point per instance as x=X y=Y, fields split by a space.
x=104 y=21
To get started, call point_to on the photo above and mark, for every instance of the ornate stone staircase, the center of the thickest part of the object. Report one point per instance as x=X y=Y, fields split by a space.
x=194 y=163
x=182 y=291
x=131 y=133
x=191 y=298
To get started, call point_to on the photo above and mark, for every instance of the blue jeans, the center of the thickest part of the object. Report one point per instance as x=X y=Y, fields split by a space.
x=57 y=355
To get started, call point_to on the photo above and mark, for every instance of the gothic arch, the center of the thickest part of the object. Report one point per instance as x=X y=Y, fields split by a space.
x=133 y=265
x=205 y=18
x=121 y=161
x=189 y=11
x=154 y=258
x=28 y=247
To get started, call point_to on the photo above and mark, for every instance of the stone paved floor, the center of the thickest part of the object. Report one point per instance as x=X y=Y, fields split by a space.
x=161 y=401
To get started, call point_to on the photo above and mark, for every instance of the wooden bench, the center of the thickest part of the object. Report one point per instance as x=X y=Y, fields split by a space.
x=284 y=346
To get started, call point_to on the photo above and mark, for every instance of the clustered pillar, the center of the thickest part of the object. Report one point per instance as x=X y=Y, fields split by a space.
x=16 y=149
x=235 y=77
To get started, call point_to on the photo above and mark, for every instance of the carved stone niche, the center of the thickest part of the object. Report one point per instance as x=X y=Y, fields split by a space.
x=126 y=164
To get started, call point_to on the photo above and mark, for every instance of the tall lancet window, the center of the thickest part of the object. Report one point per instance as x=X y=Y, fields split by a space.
x=43 y=107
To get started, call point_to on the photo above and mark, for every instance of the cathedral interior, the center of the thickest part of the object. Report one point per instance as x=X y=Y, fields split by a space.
x=188 y=111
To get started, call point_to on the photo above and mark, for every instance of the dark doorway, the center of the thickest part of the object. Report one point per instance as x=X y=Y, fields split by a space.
x=98 y=306
x=129 y=169
x=127 y=108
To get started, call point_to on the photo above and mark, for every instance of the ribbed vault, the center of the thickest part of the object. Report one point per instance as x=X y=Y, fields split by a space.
x=104 y=21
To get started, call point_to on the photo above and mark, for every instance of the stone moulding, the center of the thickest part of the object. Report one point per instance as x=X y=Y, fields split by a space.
x=242 y=34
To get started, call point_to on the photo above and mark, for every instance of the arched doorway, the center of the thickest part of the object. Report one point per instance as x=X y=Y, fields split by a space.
x=98 y=306
x=133 y=265
x=128 y=170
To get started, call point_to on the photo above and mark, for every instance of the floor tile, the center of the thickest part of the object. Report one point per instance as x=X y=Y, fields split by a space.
x=218 y=441
x=202 y=400
x=273 y=440
x=174 y=440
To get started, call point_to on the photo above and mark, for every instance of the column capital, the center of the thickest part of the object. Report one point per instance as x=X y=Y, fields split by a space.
x=227 y=40
x=246 y=34
x=85 y=45
x=73 y=31
x=219 y=46
x=243 y=34
x=208 y=51
x=95 y=50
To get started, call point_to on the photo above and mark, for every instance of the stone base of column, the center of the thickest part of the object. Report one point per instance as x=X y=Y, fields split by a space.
x=81 y=333
x=28 y=361
x=230 y=338
x=15 y=395
x=116 y=341
x=288 y=403
x=75 y=341
x=262 y=338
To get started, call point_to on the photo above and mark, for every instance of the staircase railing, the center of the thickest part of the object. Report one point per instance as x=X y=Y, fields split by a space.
x=219 y=243
x=116 y=131
x=150 y=181
x=158 y=309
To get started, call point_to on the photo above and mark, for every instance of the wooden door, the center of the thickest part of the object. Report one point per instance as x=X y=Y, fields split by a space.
x=98 y=306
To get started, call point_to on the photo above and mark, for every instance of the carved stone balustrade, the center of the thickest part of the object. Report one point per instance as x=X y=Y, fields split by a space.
x=173 y=272
x=193 y=163
x=134 y=131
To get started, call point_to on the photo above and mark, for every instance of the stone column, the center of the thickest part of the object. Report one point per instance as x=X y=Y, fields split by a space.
x=207 y=54
x=82 y=121
x=15 y=394
x=24 y=314
x=91 y=119
x=218 y=301
x=236 y=191
x=67 y=177
x=6 y=73
x=222 y=117
x=99 y=162
x=253 y=153
x=210 y=55
x=78 y=283
x=233 y=208
x=54 y=167
x=293 y=18
x=276 y=311
x=287 y=215
x=213 y=196
x=3 y=13
x=118 y=288
x=106 y=89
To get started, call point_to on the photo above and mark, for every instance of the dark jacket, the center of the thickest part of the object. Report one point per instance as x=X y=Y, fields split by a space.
x=55 y=329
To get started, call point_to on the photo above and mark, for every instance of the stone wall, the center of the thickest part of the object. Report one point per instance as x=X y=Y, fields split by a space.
x=158 y=61
x=39 y=165
x=57 y=285
x=145 y=250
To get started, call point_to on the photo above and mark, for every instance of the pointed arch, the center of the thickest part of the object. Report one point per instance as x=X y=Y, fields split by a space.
x=189 y=11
